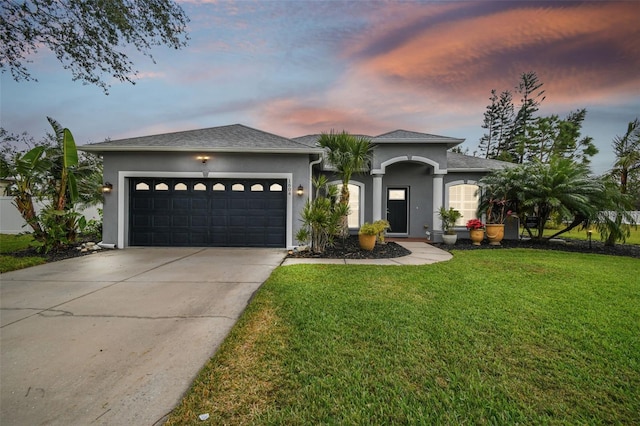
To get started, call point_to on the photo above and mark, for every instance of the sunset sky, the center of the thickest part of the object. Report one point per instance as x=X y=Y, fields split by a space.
x=300 y=67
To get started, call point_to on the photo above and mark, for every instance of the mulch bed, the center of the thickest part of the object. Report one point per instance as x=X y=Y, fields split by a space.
x=349 y=249
x=576 y=246
x=54 y=256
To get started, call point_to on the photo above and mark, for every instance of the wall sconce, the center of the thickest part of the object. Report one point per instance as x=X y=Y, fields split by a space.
x=203 y=158
x=107 y=188
x=300 y=190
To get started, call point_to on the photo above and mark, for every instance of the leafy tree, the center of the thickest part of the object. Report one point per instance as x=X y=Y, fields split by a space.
x=90 y=38
x=348 y=154
x=51 y=172
x=552 y=137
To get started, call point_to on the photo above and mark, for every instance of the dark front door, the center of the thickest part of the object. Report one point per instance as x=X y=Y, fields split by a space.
x=397 y=210
x=207 y=212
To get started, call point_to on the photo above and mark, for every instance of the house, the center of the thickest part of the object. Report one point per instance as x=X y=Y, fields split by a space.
x=235 y=186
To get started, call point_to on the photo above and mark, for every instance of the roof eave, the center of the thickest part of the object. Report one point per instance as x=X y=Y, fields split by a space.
x=99 y=149
x=470 y=170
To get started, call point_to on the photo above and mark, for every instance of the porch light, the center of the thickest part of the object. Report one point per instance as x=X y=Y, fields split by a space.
x=107 y=188
x=300 y=190
x=202 y=158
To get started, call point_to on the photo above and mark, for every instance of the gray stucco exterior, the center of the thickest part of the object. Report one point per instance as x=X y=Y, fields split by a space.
x=417 y=162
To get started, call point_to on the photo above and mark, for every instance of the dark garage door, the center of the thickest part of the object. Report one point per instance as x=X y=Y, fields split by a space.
x=207 y=212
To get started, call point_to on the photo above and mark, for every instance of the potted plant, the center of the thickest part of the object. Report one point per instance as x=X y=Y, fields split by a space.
x=476 y=231
x=495 y=202
x=367 y=236
x=382 y=225
x=449 y=218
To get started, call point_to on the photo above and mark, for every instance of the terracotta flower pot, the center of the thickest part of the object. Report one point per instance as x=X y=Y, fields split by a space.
x=367 y=242
x=495 y=233
x=476 y=235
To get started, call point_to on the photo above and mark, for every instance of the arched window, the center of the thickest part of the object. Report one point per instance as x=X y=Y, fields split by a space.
x=463 y=198
x=356 y=202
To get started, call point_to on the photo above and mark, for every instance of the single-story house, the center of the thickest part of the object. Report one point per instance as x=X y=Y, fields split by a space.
x=235 y=186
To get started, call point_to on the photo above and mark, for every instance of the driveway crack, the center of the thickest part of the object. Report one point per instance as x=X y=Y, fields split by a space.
x=57 y=313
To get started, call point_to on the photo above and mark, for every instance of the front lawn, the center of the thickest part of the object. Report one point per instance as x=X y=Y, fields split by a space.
x=490 y=337
x=10 y=244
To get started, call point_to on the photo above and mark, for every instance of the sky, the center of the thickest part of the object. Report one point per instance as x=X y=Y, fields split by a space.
x=295 y=68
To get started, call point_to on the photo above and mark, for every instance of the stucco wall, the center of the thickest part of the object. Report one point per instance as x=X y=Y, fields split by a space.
x=118 y=164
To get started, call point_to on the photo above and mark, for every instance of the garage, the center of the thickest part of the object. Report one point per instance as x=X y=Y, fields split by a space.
x=205 y=212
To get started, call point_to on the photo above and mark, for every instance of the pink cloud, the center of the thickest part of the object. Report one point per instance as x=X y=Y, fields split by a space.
x=475 y=54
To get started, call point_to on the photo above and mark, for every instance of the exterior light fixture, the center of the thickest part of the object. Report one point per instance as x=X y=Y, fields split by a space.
x=107 y=188
x=203 y=158
x=589 y=234
x=300 y=190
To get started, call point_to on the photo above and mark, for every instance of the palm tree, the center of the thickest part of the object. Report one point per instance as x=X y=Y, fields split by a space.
x=348 y=154
x=560 y=186
x=627 y=150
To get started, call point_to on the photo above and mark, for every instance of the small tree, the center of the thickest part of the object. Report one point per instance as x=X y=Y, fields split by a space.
x=322 y=216
x=348 y=154
x=51 y=172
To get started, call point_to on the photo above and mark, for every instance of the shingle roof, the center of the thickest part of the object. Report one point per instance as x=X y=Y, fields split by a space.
x=405 y=136
x=232 y=138
x=466 y=163
x=312 y=140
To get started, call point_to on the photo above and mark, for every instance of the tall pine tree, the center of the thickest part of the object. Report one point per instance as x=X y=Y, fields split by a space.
x=531 y=97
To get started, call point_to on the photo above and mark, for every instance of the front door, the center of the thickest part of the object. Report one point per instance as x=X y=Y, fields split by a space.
x=397 y=210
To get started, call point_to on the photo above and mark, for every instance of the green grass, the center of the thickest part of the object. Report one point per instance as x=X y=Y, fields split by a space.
x=490 y=337
x=10 y=244
x=581 y=234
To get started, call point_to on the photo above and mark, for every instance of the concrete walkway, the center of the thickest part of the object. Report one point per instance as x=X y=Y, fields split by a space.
x=117 y=338
x=421 y=254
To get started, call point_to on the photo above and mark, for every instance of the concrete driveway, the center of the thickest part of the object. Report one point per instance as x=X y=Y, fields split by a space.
x=117 y=337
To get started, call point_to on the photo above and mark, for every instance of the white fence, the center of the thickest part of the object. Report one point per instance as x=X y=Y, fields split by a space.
x=634 y=214
x=11 y=222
